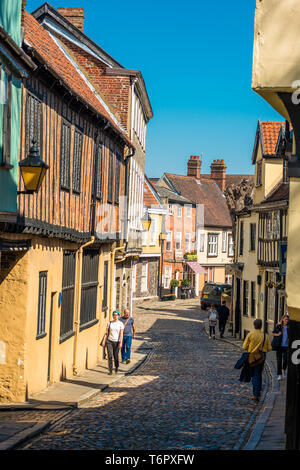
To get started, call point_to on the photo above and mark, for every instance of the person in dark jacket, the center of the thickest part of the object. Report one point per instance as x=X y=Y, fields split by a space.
x=282 y=352
x=223 y=312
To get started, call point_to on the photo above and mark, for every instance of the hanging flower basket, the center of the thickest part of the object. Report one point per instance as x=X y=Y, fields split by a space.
x=269 y=284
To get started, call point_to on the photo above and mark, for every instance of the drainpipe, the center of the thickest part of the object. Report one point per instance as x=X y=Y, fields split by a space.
x=112 y=263
x=78 y=301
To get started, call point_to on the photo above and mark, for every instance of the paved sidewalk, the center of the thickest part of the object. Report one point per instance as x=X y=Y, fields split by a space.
x=268 y=431
x=20 y=421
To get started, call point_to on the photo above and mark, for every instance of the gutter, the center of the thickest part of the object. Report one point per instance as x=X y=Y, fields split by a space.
x=78 y=300
x=6 y=38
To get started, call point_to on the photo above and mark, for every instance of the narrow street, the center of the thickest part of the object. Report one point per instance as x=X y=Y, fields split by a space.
x=185 y=396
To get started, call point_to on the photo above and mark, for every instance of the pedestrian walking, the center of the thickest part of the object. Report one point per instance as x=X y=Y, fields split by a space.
x=212 y=321
x=257 y=344
x=223 y=313
x=281 y=332
x=128 y=335
x=112 y=340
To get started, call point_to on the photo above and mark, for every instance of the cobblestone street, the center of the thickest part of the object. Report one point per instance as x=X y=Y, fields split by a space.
x=185 y=396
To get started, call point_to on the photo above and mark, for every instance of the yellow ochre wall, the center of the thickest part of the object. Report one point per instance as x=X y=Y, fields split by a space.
x=26 y=363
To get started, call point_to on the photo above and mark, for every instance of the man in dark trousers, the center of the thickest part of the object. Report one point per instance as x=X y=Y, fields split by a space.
x=223 y=312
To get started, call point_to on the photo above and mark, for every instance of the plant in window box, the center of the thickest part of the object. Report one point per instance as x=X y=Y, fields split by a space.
x=269 y=284
x=278 y=285
x=192 y=256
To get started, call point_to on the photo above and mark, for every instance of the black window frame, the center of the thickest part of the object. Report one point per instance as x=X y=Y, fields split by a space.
x=77 y=161
x=110 y=179
x=89 y=287
x=34 y=121
x=253 y=298
x=241 y=251
x=245 y=298
x=67 y=295
x=252 y=237
x=42 y=302
x=118 y=163
x=6 y=120
x=98 y=173
x=105 y=288
x=65 y=157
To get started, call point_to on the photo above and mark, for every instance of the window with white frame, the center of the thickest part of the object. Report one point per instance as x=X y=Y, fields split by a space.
x=224 y=237
x=144 y=237
x=153 y=232
x=169 y=241
x=178 y=240
x=134 y=278
x=168 y=276
x=212 y=244
x=179 y=212
x=144 y=276
x=201 y=241
x=188 y=211
x=187 y=242
x=230 y=245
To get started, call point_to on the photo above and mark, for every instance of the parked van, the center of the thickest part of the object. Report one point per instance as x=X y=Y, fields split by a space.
x=211 y=293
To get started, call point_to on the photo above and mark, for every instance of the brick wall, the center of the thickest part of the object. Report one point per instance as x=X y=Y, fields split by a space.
x=115 y=91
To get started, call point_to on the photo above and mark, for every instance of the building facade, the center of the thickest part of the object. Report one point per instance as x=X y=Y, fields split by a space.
x=60 y=250
x=124 y=93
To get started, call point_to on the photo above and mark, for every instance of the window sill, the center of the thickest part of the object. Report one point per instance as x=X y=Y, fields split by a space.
x=66 y=336
x=40 y=336
x=6 y=166
x=89 y=324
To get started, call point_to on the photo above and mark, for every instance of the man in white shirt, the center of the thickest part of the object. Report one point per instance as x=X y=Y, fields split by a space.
x=114 y=338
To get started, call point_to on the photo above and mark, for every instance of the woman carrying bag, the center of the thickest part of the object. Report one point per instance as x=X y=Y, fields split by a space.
x=257 y=344
x=280 y=345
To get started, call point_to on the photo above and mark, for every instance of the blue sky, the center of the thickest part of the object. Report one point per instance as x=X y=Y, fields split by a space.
x=196 y=60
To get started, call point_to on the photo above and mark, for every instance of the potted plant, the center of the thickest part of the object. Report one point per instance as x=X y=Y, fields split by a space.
x=185 y=283
x=174 y=283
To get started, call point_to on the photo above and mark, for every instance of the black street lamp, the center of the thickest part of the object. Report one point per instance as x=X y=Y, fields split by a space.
x=33 y=170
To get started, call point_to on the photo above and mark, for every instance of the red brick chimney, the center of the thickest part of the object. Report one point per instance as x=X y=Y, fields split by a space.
x=218 y=173
x=74 y=15
x=194 y=167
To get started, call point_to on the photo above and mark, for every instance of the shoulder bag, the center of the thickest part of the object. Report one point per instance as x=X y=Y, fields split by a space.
x=257 y=357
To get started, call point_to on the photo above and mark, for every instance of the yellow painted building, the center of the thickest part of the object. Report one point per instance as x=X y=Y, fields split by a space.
x=261 y=228
x=147 y=269
x=275 y=77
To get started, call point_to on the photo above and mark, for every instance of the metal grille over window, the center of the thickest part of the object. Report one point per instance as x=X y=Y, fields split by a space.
x=110 y=176
x=89 y=286
x=5 y=103
x=77 y=157
x=67 y=293
x=117 y=177
x=34 y=122
x=98 y=169
x=105 y=287
x=65 y=156
x=42 y=303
